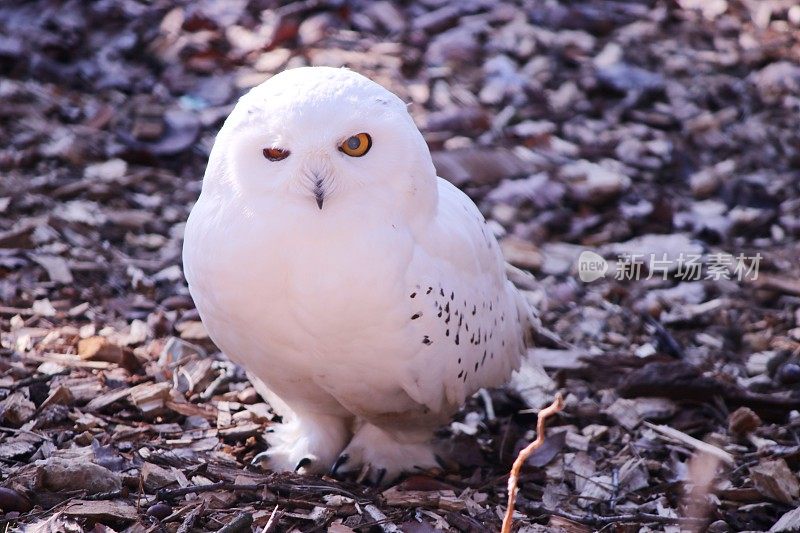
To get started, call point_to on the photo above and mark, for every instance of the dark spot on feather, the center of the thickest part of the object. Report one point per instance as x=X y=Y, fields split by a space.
x=476 y=367
x=452 y=295
x=474 y=310
x=460 y=374
x=447 y=333
x=441 y=291
x=456 y=339
x=413 y=294
x=416 y=316
x=429 y=290
x=426 y=340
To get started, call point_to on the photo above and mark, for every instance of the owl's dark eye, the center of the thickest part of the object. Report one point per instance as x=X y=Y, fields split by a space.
x=357 y=145
x=275 y=154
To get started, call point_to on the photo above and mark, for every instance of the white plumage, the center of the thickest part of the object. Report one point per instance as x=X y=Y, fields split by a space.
x=367 y=293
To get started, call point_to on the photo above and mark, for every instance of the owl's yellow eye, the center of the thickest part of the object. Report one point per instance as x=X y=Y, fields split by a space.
x=275 y=154
x=357 y=145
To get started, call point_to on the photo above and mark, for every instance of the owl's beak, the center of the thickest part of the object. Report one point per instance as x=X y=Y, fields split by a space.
x=319 y=192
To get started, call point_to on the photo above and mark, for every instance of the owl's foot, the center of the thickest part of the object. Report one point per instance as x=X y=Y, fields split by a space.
x=385 y=456
x=307 y=444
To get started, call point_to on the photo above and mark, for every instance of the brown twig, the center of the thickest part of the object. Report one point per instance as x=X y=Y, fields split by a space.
x=513 y=477
x=166 y=494
x=598 y=521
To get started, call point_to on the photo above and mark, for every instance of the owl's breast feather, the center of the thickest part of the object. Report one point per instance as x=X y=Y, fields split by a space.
x=297 y=280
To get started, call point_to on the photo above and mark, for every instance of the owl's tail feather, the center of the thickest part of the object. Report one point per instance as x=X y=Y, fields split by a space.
x=548 y=339
x=536 y=334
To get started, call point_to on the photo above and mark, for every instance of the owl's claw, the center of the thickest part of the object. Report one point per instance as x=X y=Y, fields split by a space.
x=305 y=461
x=263 y=456
x=306 y=444
x=258 y=460
x=370 y=474
x=377 y=458
x=341 y=460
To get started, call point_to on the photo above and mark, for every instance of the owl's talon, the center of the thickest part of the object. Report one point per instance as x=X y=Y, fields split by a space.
x=381 y=458
x=341 y=460
x=256 y=461
x=306 y=444
x=305 y=461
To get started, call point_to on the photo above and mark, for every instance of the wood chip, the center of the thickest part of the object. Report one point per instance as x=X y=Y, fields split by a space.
x=102 y=510
x=17 y=409
x=441 y=499
x=192 y=330
x=775 y=480
x=790 y=521
x=57 y=268
x=151 y=400
x=112 y=396
x=60 y=395
x=478 y=166
x=692 y=442
x=100 y=349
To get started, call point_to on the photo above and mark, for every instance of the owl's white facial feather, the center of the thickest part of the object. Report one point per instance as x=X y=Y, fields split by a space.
x=309 y=113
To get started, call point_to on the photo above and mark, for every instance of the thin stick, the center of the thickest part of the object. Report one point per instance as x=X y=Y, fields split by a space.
x=166 y=494
x=513 y=477
x=272 y=523
x=597 y=521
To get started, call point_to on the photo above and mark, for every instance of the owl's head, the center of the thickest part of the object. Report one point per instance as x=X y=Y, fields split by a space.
x=321 y=135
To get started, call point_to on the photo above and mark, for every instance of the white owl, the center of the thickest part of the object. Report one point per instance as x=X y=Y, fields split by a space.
x=326 y=257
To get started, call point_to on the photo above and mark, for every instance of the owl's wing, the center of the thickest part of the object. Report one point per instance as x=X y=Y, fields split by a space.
x=473 y=325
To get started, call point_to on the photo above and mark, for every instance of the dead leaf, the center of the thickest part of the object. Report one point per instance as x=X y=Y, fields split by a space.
x=775 y=480
x=102 y=510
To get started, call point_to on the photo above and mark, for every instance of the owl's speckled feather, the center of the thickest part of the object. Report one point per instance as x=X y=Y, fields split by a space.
x=370 y=318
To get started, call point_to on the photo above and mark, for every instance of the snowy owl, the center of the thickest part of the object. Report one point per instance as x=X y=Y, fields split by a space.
x=326 y=257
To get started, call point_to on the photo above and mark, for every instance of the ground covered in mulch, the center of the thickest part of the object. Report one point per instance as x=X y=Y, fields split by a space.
x=658 y=133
